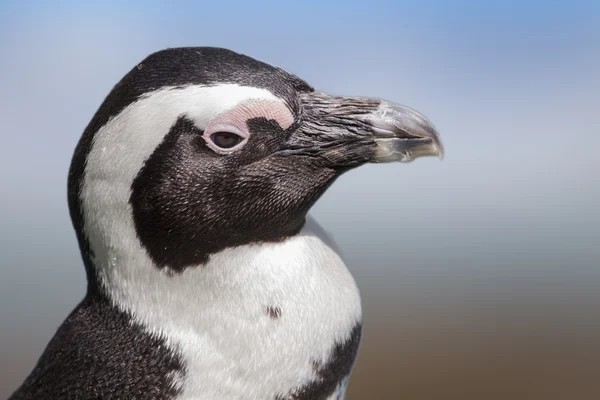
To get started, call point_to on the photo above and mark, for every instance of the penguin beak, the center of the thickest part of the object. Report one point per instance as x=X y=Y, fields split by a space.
x=350 y=131
x=402 y=134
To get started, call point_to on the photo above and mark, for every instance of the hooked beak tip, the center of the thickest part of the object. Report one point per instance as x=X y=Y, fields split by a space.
x=438 y=147
x=403 y=134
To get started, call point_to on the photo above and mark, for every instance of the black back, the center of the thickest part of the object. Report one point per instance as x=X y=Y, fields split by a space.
x=99 y=353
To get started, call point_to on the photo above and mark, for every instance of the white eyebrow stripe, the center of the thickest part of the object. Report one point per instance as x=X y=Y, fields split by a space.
x=199 y=103
x=131 y=136
x=122 y=145
x=205 y=103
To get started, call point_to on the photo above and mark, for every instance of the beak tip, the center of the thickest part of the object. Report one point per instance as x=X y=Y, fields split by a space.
x=441 y=154
x=439 y=147
x=404 y=134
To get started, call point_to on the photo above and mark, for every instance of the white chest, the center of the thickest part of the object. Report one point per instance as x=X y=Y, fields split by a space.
x=251 y=323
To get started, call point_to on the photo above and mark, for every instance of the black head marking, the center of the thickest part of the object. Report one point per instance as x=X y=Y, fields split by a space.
x=189 y=202
x=177 y=67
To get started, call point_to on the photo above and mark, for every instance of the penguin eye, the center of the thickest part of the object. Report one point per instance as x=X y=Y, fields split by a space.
x=225 y=137
x=225 y=140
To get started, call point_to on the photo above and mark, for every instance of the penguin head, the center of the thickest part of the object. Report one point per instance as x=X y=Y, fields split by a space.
x=199 y=149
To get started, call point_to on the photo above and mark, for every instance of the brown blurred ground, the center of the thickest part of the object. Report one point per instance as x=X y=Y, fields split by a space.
x=516 y=354
x=439 y=349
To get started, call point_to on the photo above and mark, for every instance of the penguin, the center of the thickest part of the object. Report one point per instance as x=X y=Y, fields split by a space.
x=189 y=192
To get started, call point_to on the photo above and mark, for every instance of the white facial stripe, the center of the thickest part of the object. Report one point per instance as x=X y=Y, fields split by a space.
x=125 y=142
x=213 y=315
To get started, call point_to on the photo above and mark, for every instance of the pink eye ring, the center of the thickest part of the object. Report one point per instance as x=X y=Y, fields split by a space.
x=228 y=131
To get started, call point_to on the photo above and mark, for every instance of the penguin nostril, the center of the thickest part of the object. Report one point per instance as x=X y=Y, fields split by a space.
x=225 y=140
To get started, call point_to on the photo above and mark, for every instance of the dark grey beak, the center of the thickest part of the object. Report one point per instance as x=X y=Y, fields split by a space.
x=350 y=131
x=402 y=134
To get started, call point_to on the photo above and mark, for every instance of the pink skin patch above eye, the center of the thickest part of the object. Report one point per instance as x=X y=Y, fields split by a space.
x=235 y=120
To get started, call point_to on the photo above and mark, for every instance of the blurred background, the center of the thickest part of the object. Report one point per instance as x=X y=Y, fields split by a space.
x=480 y=275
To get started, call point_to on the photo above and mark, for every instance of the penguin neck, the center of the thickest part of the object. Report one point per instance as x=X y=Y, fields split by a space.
x=271 y=309
x=242 y=280
x=159 y=299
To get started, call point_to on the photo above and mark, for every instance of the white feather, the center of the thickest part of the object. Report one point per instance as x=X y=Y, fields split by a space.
x=215 y=315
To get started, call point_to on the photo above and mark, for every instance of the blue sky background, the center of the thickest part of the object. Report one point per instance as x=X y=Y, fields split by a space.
x=509 y=220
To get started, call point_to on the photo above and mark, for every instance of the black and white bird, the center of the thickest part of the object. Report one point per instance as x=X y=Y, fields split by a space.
x=189 y=192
